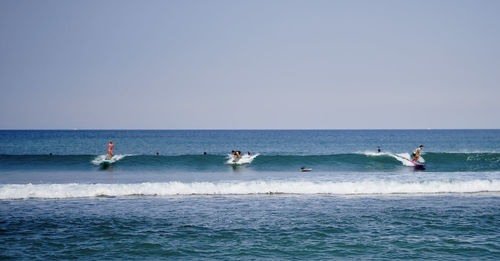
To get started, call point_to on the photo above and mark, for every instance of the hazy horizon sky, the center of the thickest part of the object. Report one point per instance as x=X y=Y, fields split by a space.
x=249 y=64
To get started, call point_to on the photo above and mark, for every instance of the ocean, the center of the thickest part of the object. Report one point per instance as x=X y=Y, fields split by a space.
x=193 y=202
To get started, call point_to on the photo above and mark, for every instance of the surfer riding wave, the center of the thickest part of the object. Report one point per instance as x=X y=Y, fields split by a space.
x=416 y=154
x=110 y=149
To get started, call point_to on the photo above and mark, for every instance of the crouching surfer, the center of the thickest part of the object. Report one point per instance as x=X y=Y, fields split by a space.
x=416 y=154
x=236 y=155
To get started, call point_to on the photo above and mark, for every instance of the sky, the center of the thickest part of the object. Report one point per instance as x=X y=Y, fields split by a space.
x=249 y=64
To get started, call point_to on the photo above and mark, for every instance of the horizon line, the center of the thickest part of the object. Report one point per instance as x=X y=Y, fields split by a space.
x=242 y=129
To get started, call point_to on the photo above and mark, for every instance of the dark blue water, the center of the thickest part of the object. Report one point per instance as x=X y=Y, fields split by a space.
x=266 y=142
x=354 y=204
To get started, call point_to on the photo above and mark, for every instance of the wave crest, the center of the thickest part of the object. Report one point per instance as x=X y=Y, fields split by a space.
x=99 y=158
x=438 y=162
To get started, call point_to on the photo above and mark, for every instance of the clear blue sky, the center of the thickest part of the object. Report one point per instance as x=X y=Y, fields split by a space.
x=249 y=64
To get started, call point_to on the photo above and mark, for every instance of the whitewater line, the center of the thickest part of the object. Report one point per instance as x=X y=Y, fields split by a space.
x=76 y=190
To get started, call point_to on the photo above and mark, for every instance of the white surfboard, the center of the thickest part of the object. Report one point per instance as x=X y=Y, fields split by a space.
x=106 y=161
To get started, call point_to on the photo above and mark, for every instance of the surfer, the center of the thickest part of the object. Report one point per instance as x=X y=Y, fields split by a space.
x=236 y=154
x=110 y=149
x=378 y=149
x=416 y=154
x=248 y=153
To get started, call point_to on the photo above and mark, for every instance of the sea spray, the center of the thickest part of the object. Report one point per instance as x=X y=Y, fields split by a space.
x=244 y=159
x=99 y=158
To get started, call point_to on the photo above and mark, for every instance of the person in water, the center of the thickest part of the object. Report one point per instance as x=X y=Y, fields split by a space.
x=416 y=154
x=378 y=149
x=248 y=153
x=110 y=149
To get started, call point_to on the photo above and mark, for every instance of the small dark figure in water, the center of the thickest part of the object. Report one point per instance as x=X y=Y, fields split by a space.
x=50 y=154
x=204 y=153
x=378 y=149
x=248 y=153
x=157 y=154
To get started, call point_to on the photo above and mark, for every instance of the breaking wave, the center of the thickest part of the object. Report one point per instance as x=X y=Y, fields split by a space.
x=76 y=190
x=367 y=161
x=98 y=160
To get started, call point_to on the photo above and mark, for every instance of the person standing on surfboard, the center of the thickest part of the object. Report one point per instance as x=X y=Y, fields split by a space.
x=416 y=154
x=110 y=149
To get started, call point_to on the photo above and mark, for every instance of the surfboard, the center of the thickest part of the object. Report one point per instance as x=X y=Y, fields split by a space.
x=416 y=164
x=106 y=161
x=305 y=169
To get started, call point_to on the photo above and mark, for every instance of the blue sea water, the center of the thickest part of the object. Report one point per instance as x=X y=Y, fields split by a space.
x=58 y=201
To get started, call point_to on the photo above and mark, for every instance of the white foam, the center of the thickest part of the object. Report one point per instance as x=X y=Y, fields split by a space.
x=401 y=157
x=98 y=160
x=74 y=190
x=245 y=159
x=371 y=153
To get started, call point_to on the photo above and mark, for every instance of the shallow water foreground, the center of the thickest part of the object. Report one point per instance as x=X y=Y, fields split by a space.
x=448 y=226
